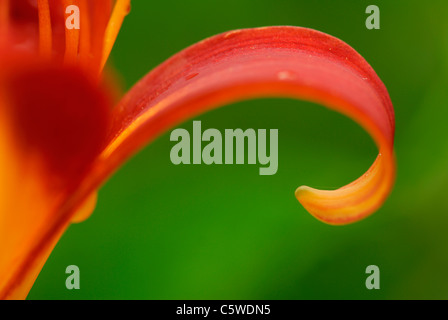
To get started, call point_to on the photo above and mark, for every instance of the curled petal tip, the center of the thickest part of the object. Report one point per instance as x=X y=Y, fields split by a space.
x=320 y=205
x=354 y=201
x=302 y=192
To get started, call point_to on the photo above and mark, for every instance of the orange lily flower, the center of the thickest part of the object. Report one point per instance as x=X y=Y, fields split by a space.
x=61 y=137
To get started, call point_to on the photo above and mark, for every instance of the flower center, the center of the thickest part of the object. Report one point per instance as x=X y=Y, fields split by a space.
x=88 y=44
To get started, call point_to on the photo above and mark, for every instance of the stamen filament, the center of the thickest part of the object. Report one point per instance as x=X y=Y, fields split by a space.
x=45 y=36
x=71 y=39
x=120 y=11
x=101 y=10
x=84 y=44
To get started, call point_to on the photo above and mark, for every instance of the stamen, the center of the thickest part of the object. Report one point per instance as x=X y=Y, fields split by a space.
x=120 y=11
x=101 y=10
x=84 y=44
x=45 y=37
x=71 y=39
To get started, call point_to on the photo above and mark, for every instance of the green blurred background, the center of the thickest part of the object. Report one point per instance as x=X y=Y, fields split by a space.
x=224 y=232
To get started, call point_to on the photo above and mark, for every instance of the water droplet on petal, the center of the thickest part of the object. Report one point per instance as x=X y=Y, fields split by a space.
x=286 y=75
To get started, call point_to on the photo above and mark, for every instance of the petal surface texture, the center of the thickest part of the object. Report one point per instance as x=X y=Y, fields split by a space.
x=266 y=62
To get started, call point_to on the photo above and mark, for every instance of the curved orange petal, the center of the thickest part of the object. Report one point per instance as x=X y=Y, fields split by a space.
x=276 y=61
x=264 y=62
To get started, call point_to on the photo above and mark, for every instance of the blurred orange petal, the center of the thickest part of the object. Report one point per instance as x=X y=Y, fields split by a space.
x=53 y=125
